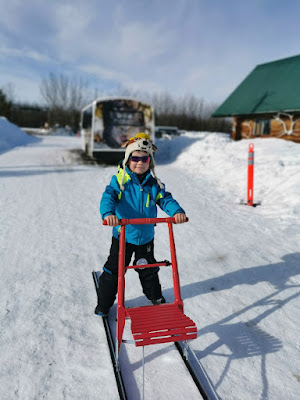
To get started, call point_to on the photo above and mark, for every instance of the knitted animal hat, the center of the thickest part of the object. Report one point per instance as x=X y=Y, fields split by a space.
x=140 y=142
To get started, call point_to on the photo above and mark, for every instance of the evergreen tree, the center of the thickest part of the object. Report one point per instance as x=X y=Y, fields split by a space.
x=5 y=105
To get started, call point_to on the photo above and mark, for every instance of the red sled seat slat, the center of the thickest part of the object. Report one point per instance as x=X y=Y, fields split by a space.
x=165 y=333
x=160 y=324
x=160 y=318
x=178 y=338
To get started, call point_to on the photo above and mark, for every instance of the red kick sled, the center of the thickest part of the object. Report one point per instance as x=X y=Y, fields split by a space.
x=152 y=324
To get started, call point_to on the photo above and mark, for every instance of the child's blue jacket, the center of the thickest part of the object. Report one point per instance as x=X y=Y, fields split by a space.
x=137 y=200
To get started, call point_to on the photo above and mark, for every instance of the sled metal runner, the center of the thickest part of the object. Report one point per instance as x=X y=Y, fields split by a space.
x=111 y=345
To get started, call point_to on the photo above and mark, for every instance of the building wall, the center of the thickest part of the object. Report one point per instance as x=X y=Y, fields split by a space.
x=277 y=126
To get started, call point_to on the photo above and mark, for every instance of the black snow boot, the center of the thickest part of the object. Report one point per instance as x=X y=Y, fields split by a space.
x=100 y=312
x=161 y=300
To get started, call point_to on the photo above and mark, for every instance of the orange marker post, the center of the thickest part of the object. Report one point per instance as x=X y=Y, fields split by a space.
x=250 y=175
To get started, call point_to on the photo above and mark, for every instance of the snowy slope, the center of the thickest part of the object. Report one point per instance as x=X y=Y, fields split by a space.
x=239 y=269
x=12 y=136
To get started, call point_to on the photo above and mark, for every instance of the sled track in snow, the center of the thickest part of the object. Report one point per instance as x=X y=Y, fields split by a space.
x=187 y=354
x=193 y=365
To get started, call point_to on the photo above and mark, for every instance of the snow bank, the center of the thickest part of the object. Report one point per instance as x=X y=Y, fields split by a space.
x=225 y=163
x=11 y=136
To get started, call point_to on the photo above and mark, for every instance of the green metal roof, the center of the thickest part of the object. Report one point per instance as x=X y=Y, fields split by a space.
x=270 y=87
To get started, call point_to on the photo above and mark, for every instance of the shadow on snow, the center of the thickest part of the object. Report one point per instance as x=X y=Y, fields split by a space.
x=21 y=172
x=242 y=339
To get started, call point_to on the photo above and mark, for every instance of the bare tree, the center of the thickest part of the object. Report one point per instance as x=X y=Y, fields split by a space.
x=186 y=112
x=64 y=97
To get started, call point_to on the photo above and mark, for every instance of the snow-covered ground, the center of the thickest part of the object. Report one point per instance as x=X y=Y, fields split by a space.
x=239 y=268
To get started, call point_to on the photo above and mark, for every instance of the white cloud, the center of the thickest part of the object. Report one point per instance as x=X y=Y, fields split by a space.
x=183 y=47
x=121 y=78
x=71 y=39
x=104 y=73
x=142 y=45
x=112 y=41
x=21 y=53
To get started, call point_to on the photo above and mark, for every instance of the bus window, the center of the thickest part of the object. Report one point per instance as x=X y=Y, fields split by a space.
x=87 y=118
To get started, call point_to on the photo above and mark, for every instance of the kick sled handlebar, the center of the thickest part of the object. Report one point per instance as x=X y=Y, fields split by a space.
x=145 y=221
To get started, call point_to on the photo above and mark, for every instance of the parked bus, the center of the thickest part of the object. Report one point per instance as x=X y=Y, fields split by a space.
x=106 y=123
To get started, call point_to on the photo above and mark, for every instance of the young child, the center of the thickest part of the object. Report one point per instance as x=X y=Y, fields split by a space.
x=134 y=193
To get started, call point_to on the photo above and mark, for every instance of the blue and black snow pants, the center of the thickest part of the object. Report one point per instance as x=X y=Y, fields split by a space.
x=108 y=281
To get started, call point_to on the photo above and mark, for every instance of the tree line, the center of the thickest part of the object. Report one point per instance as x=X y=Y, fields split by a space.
x=64 y=97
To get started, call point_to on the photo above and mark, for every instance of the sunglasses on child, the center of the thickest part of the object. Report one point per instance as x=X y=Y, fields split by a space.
x=144 y=159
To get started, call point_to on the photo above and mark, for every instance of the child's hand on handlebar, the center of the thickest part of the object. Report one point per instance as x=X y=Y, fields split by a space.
x=180 y=218
x=112 y=220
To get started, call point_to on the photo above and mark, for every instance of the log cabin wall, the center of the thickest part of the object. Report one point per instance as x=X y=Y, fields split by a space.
x=266 y=126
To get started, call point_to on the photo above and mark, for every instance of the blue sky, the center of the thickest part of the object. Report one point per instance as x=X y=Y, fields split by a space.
x=200 y=47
